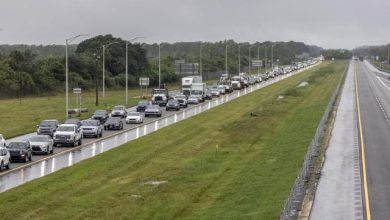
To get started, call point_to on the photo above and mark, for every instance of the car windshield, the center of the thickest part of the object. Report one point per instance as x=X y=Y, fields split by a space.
x=89 y=123
x=38 y=139
x=113 y=120
x=172 y=101
x=196 y=92
x=193 y=97
x=134 y=114
x=214 y=90
x=180 y=97
x=118 y=108
x=151 y=107
x=100 y=112
x=17 y=145
x=65 y=128
x=48 y=124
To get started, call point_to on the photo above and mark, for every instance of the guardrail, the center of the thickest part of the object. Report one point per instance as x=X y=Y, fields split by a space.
x=297 y=193
x=48 y=165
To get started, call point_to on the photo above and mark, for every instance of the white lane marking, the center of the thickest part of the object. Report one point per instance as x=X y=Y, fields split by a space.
x=380 y=80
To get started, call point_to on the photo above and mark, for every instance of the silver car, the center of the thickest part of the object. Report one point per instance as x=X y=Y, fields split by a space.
x=41 y=144
x=91 y=128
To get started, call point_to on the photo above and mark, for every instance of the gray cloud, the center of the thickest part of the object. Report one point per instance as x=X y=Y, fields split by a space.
x=327 y=23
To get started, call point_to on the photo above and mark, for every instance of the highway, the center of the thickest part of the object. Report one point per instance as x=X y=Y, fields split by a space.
x=42 y=165
x=373 y=90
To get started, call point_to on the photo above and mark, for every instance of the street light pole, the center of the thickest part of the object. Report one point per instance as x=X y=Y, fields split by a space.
x=159 y=65
x=104 y=66
x=249 y=61
x=127 y=67
x=226 y=65
x=258 y=58
x=239 y=58
x=67 y=41
x=200 y=59
x=272 y=57
x=265 y=59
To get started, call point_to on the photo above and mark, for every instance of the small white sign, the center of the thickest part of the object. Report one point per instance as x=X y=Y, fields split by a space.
x=144 y=81
x=77 y=90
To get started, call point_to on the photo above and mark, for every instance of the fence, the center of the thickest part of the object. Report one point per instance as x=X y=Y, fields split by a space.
x=295 y=199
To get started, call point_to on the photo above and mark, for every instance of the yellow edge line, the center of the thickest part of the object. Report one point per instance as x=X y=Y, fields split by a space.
x=365 y=186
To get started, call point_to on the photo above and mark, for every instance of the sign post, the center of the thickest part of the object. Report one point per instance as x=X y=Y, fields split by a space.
x=78 y=99
x=144 y=81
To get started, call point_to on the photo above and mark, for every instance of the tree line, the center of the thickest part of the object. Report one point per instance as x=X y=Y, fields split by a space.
x=38 y=70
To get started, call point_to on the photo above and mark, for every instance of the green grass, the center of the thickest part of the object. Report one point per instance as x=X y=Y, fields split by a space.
x=249 y=177
x=20 y=116
x=383 y=66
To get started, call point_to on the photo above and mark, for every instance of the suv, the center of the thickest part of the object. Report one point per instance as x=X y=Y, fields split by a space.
x=153 y=110
x=101 y=115
x=20 y=150
x=142 y=105
x=91 y=128
x=113 y=123
x=41 y=144
x=2 y=141
x=119 y=111
x=47 y=127
x=4 y=158
x=68 y=134
x=182 y=99
x=73 y=121
x=173 y=104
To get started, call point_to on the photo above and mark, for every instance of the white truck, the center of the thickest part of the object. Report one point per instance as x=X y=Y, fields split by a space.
x=199 y=89
x=186 y=83
x=237 y=82
x=68 y=134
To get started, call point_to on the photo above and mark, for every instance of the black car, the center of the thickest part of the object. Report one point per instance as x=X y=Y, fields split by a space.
x=172 y=104
x=142 y=105
x=73 y=121
x=47 y=127
x=101 y=115
x=20 y=151
x=113 y=123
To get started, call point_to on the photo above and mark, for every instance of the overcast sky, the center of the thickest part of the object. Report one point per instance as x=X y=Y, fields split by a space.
x=326 y=23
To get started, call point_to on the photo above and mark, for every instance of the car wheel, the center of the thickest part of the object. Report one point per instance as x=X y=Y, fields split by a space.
x=101 y=134
x=47 y=151
x=1 y=166
x=52 y=150
x=7 y=166
x=80 y=141
x=74 y=143
x=26 y=159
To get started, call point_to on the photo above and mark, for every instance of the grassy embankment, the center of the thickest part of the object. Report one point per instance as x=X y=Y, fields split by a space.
x=248 y=177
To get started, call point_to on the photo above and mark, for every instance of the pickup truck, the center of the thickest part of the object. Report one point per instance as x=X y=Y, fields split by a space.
x=160 y=97
x=68 y=134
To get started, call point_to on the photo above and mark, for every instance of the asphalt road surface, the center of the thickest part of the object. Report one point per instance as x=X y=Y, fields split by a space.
x=373 y=89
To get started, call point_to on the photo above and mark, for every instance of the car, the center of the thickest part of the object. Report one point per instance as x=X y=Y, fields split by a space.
x=119 y=111
x=142 y=105
x=215 y=92
x=92 y=128
x=134 y=118
x=113 y=123
x=101 y=115
x=182 y=99
x=5 y=158
x=20 y=151
x=193 y=99
x=153 y=110
x=2 y=141
x=208 y=95
x=73 y=121
x=41 y=144
x=68 y=134
x=222 y=89
x=172 y=104
x=47 y=127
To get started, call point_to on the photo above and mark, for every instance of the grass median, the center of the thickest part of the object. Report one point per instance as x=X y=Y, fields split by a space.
x=179 y=172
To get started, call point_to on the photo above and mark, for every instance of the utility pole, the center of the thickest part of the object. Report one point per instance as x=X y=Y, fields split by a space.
x=258 y=58
x=104 y=68
x=200 y=59
x=239 y=58
x=272 y=57
x=159 y=66
x=249 y=60
x=265 y=55
x=226 y=65
x=127 y=67
x=388 y=54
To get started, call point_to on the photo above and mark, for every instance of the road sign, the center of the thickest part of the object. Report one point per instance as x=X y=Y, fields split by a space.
x=77 y=90
x=144 y=81
x=257 y=63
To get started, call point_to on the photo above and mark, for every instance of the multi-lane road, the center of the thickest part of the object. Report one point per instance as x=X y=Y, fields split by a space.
x=373 y=105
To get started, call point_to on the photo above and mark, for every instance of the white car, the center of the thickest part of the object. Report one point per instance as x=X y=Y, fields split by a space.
x=119 y=111
x=134 y=118
x=4 y=158
x=193 y=99
x=2 y=141
x=41 y=144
